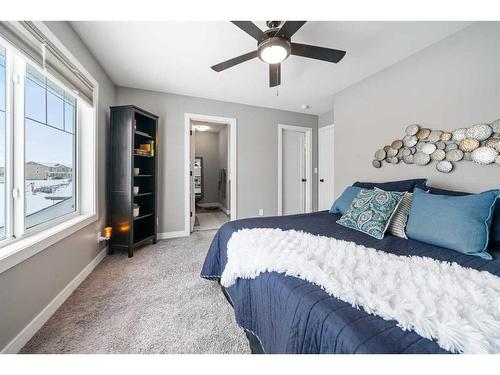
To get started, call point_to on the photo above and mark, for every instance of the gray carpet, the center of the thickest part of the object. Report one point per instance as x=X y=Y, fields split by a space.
x=154 y=302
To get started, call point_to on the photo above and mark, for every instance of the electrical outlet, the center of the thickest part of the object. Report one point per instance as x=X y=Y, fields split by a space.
x=261 y=212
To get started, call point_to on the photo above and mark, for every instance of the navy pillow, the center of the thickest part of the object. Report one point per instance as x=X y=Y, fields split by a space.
x=460 y=223
x=495 y=222
x=405 y=185
x=342 y=203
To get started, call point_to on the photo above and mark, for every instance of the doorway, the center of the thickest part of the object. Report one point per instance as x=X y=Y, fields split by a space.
x=294 y=170
x=210 y=172
x=325 y=167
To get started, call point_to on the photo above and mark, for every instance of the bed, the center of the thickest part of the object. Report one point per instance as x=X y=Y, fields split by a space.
x=284 y=314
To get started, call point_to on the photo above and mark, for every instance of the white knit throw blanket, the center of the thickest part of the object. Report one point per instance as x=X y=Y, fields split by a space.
x=457 y=307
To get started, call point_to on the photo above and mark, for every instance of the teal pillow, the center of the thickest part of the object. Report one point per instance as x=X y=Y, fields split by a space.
x=371 y=211
x=342 y=203
x=460 y=223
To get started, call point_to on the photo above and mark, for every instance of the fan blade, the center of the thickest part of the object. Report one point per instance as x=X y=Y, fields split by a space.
x=251 y=29
x=318 y=53
x=234 y=61
x=289 y=28
x=274 y=75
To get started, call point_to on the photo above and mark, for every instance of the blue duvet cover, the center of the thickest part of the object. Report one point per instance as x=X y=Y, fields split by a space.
x=290 y=315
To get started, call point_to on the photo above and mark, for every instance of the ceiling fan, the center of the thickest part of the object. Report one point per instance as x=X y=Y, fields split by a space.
x=274 y=46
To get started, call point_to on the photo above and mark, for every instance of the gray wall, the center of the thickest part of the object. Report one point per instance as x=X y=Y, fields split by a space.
x=325 y=119
x=453 y=83
x=207 y=146
x=257 y=155
x=28 y=287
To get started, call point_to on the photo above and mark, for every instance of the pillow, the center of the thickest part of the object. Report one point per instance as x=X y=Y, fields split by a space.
x=495 y=228
x=460 y=223
x=342 y=203
x=495 y=222
x=371 y=211
x=398 y=221
x=405 y=185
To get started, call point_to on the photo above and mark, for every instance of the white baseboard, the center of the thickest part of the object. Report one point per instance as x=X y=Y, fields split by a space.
x=29 y=331
x=167 y=235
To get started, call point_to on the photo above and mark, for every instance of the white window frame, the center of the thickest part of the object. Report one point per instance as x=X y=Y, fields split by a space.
x=21 y=243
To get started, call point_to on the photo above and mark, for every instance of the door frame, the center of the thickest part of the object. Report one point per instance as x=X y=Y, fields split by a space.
x=308 y=135
x=320 y=130
x=232 y=162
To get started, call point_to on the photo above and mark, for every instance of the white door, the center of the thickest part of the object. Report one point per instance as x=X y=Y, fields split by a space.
x=191 y=177
x=294 y=173
x=325 y=168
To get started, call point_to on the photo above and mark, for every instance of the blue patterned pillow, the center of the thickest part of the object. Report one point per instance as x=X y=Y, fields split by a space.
x=371 y=211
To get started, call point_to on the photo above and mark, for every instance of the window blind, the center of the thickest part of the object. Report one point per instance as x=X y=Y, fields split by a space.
x=30 y=40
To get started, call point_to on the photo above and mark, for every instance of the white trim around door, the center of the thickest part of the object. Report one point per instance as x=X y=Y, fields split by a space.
x=308 y=146
x=320 y=174
x=231 y=123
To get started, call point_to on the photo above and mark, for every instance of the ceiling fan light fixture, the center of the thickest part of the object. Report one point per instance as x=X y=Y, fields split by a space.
x=274 y=50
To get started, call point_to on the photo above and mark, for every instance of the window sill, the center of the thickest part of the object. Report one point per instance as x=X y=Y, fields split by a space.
x=15 y=253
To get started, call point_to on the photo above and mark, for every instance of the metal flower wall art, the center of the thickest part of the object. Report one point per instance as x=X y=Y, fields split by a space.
x=422 y=146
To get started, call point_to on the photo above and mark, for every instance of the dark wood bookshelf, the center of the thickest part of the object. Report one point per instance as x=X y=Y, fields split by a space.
x=130 y=128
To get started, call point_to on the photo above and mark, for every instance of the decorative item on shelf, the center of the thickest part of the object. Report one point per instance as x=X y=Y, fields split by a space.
x=136 y=190
x=135 y=211
x=137 y=171
x=142 y=133
x=479 y=143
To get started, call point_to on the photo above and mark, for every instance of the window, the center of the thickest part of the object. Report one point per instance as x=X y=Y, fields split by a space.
x=48 y=142
x=50 y=114
x=3 y=119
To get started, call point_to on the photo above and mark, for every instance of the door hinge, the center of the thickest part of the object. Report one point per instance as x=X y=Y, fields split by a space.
x=190 y=132
x=191 y=214
x=16 y=193
x=304 y=180
x=190 y=173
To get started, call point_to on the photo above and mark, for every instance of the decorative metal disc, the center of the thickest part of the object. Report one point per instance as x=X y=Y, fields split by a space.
x=386 y=148
x=495 y=135
x=410 y=140
x=446 y=136
x=392 y=152
x=440 y=145
x=428 y=148
x=423 y=133
x=444 y=166
x=419 y=145
x=451 y=146
x=412 y=129
x=435 y=135
x=377 y=163
x=484 y=155
x=495 y=126
x=421 y=159
x=438 y=155
x=481 y=132
x=454 y=155
x=408 y=159
x=467 y=156
x=459 y=134
x=468 y=144
x=406 y=151
x=492 y=142
x=397 y=144
x=394 y=160
x=380 y=154
x=413 y=150
x=400 y=153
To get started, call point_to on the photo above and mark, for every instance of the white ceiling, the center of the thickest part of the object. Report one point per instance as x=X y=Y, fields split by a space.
x=176 y=57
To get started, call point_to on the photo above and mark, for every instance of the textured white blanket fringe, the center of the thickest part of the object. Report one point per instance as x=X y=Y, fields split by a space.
x=457 y=307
